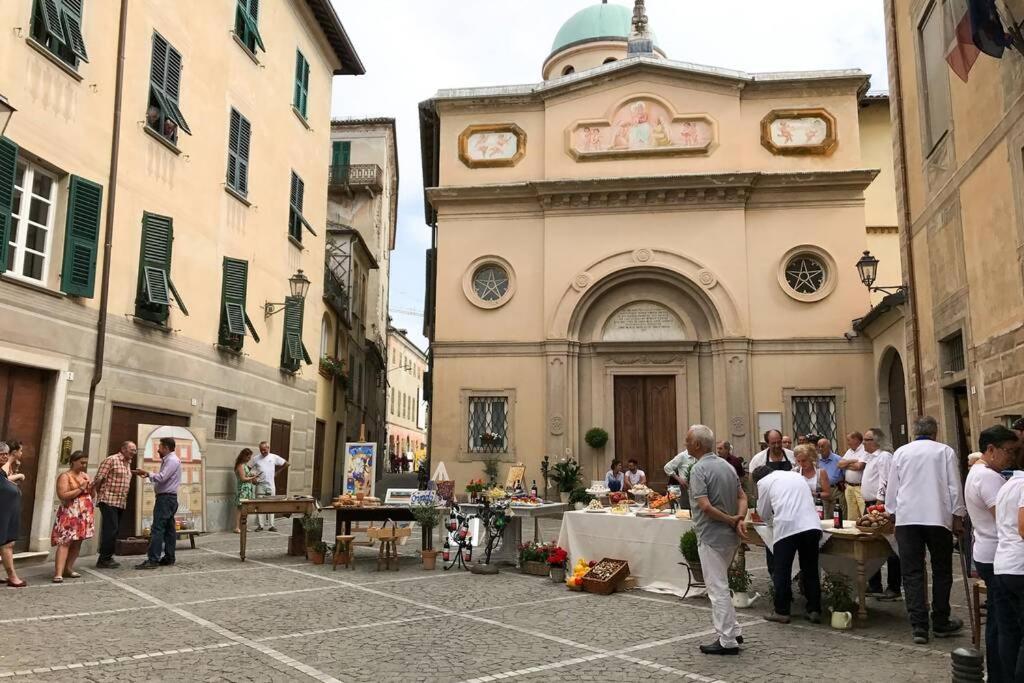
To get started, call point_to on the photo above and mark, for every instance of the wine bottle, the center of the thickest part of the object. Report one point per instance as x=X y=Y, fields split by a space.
x=446 y=553
x=820 y=508
x=533 y=490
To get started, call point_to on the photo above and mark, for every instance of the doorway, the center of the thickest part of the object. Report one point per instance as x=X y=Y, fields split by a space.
x=897 y=402
x=318 y=459
x=962 y=424
x=645 y=424
x=23 y=392
x=280 y=443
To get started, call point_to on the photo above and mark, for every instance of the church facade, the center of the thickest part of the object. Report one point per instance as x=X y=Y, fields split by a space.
x=637 y=244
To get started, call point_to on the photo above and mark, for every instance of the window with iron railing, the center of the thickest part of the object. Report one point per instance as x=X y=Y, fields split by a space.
x=816 y=415
x=953 y=353
x=488 y=424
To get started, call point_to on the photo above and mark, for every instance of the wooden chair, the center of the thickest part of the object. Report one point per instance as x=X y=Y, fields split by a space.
x=344 y=552
x=980 y=611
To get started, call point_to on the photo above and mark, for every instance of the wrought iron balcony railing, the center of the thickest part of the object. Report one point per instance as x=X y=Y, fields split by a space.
x=336 y=295
x=356 y=176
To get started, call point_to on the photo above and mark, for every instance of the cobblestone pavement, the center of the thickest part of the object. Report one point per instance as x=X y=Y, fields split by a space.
x=278 y=618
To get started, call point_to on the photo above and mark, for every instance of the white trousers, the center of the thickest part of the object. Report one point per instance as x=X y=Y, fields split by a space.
x=264 y=519
x=715 y=563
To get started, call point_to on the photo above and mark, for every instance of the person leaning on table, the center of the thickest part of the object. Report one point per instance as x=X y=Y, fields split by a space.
x=677 y=470
x=926 y=500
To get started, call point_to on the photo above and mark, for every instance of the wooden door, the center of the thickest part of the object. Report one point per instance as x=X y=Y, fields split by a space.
x=124 y=426
x=280 y=443
x=645 y=424
x=962 y=423
x=318 y=459
x=23 y=393
x=898 y=431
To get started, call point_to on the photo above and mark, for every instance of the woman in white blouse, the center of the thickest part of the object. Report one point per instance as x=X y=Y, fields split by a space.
x=1009 y=571
x=807 y=466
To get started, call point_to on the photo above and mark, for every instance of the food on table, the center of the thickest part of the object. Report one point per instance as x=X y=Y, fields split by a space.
x=595 y=505
x=575 y=580
x=521 y=500
x=617 y=497
x=641 y=490
x=682 y=514
x=621 y=508
x=874 y=519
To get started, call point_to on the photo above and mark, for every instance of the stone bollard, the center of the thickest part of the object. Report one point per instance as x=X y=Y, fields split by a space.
x=968 y=665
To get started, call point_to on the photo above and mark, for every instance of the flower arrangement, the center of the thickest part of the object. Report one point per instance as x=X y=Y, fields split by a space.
x=534 y=552
x=475 y=486
x=557 y=557
x=334 y=367
x=495 y=493
x=490 y=439
x=565 y=474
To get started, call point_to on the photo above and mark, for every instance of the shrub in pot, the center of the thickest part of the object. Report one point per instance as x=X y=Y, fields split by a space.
x=688 y=547
x=739 y=586
x=596 y=438
x=837 y=598
x=317 y=553
x=428 y=516
x=566 y=475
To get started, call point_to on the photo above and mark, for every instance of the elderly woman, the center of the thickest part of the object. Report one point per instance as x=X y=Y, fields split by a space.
x=807 y=465
x=245 y=485
x=76 y=517
x=10 y=519
x=13 y=465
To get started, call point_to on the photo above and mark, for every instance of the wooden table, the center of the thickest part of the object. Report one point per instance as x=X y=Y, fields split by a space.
x=270 y=504
x=346 y=514
x=851 y=544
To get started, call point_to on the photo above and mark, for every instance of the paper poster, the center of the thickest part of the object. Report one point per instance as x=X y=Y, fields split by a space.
x=191 y=513
x=360 y=460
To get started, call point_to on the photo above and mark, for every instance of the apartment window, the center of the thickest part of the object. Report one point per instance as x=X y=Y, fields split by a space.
x=239 y=137
x=225 y=424
x=164 y=116
x=934 y=73
x=155 y=287
x=301 y=97
x=247 y=15
x=234 y=321
x=488 y=424
x=57 y=25
x=325 y=336
x=296 y=221
x=31 y=226
x=952 y=353
x=293 y=351
x=816 y=415
x=341 y=158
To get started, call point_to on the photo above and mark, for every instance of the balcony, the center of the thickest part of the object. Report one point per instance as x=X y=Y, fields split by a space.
x=355 y=177
x=336 y=295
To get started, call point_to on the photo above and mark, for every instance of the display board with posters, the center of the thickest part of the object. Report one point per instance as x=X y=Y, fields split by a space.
x=360 y=464
x=191 y=515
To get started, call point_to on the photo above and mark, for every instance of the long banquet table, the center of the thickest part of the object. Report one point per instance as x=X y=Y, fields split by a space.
x=650 y=545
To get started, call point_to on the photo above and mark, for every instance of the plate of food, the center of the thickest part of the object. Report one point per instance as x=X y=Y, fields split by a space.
x=595 y=506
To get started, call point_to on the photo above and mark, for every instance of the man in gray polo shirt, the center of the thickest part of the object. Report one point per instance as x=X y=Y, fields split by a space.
x=719 y=509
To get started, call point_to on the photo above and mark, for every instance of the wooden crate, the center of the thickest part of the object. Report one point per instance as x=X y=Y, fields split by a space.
x=619 y=570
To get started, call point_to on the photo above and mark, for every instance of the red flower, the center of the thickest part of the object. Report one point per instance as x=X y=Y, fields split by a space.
x=557 y=557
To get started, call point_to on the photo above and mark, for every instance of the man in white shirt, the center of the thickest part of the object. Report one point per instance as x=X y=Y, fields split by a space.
x=1009 y=571
x=877 y=461
x=267 y=464
x=678 y=471
x=853 y=470
x=784 y=502
x=634 y=475
x=775 y=456
x=984 y=481
x=925 y=497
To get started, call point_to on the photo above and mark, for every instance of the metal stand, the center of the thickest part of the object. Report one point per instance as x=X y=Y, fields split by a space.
x=690 y=582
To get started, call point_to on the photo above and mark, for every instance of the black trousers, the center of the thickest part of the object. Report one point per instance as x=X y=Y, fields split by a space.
x=111 y=523
x=806 y=545
x=1011 y=624
x=914 y=540
x=892 y=566
x=995 y=601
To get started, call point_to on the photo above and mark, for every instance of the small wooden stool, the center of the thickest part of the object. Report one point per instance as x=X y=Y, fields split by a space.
x=344 y=552
x=388 y=552
x=980 y=615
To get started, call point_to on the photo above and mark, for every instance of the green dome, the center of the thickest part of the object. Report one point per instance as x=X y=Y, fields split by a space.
x=594 y=23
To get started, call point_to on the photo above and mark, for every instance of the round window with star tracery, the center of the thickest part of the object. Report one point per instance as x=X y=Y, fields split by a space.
x=490 y=283
x=806 y=274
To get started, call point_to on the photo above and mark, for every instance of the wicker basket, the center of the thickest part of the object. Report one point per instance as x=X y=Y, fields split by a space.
x=884 y=530
x=535 y=568
x=392 y=533
x=608 y=585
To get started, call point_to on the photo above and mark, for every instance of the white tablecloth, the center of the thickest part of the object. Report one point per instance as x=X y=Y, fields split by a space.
x=651 y=546
x=827 y=561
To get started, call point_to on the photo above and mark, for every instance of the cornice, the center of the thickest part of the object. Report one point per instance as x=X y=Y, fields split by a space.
x=714 y=189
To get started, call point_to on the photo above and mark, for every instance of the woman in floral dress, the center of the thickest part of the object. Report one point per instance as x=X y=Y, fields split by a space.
x=76 y=518
x=245 y=487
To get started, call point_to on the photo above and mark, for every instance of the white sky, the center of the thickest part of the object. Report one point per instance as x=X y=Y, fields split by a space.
x=413 y=48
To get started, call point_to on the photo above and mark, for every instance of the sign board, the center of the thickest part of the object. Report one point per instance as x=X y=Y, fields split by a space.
x=360 y=461
x=192 y=494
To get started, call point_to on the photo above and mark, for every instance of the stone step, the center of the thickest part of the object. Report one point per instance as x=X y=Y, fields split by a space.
x=28 y=559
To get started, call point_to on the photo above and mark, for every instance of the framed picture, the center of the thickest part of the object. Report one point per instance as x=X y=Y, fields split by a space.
x=191 y=514
x=794 y=132
x=492 y=146
x=516 y=473
x=360 y=464
x=399 y=496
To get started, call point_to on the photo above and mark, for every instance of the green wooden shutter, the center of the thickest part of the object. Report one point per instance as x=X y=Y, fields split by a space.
x=81 y=238
x=296 y=221
x=341 y=153
x=247 y=17
x=50 y=13
x=8 y=171
x=165 y=80
x=155 y=285
x=239 y=139
x=233 y=319
x=301 y=98
x=71 y=13
x=293 y=352
x=234 y=126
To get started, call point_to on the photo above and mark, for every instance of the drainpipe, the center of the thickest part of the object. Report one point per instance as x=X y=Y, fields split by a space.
x=108 y=233
x=896 y=104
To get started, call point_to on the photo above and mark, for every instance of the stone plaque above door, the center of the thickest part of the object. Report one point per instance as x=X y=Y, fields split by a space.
x=643 y=321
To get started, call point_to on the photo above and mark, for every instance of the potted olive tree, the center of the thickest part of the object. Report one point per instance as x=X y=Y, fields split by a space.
x=428 y=516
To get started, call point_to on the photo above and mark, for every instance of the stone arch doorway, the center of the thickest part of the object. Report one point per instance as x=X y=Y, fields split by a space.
x=892 y=397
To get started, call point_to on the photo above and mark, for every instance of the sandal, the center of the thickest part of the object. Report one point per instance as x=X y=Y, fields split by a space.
x=72 y=575
x=58 y=579
x=11 y=584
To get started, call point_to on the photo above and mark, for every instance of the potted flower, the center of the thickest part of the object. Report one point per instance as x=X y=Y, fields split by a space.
x=837 y=594
x=428 y=516
x=533 y=558
x=579 y=498
x=317 y=553
x=566 y=475
x=688 y=547
x=473 y=488
x=739 y=586
x=596 y=438
x=557 y=558
x=331 y=367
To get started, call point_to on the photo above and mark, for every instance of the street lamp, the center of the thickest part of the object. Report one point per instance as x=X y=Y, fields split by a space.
x=298 y=284
x=867 y=268
x=6 y=112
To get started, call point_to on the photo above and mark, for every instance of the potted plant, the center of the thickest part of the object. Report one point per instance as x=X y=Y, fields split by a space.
x=533 y=558
x=317 y=553
x=837 y=594
x=688 y=547
x=566 y=475
x=557 y=558
x=739 y=586
x=428 y=516
x=491 y=470
x=313 y=528
x=596 y=438
x=473 y=488
x=331 y=368
x=579 y=498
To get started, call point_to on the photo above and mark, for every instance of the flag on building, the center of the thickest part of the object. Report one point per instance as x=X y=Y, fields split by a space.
x=977 y=28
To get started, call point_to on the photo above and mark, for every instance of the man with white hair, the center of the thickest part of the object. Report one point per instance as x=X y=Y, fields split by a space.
x=719 y=507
